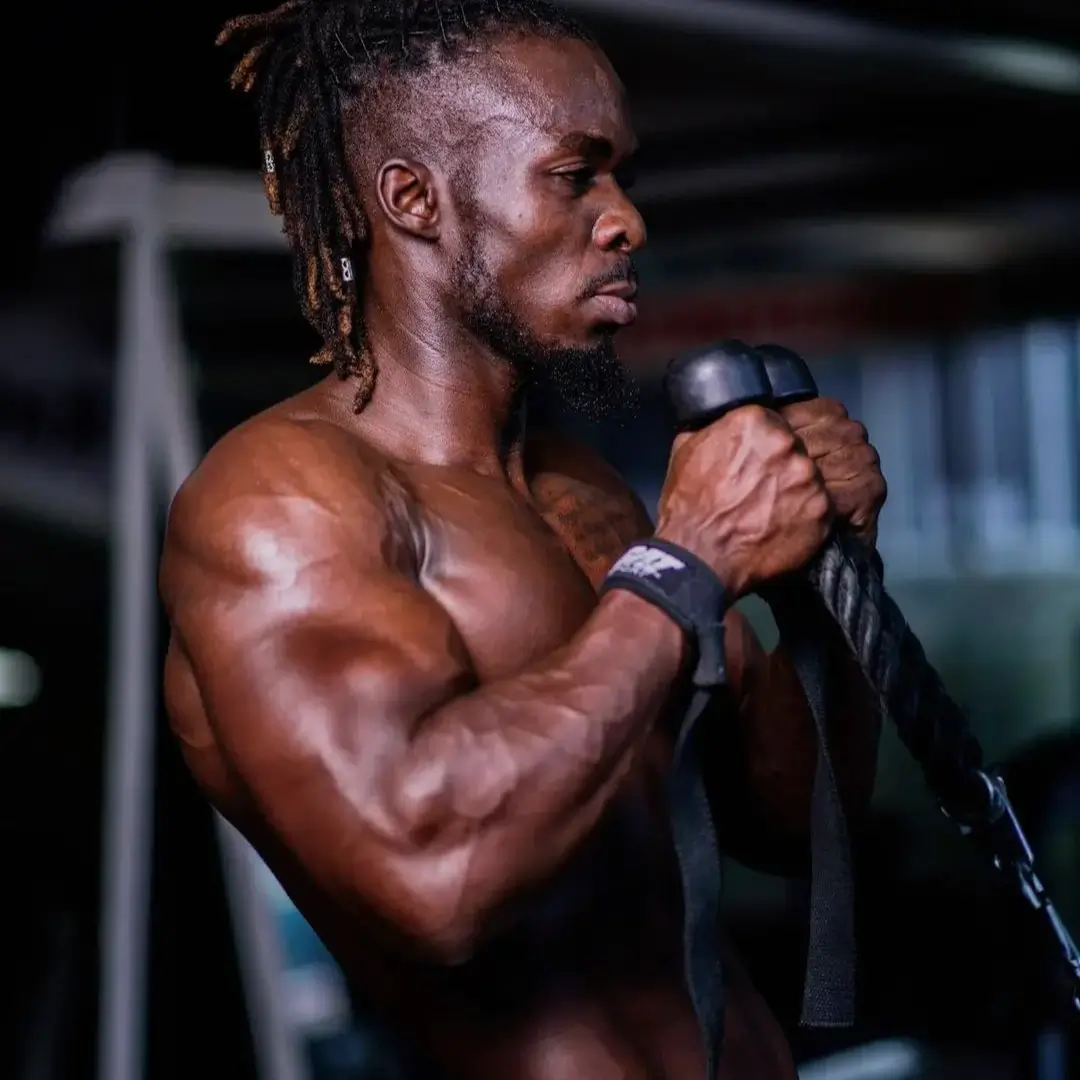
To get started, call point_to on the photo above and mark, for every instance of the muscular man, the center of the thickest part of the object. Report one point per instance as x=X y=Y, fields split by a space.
x=388 y=666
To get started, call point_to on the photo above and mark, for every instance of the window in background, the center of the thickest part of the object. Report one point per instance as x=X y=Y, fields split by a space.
x=1050 y=359
x=1010 y=421
x=978 y=440
x=987 y=441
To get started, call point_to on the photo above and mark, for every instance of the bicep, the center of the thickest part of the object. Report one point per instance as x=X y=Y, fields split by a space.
x=314 y=683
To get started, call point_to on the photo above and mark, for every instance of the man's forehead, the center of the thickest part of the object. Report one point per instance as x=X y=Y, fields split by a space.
x=562 y=91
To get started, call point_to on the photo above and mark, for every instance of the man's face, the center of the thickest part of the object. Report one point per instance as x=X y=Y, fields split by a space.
x=541 y=257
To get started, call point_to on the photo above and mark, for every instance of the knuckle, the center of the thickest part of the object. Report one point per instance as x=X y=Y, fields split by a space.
x=820 y=505
x=803 y=469
x=752 y=415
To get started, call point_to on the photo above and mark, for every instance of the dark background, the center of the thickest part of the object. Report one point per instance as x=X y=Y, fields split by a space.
x=748 y=134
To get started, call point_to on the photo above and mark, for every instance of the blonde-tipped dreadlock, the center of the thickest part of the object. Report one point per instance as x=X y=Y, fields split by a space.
x=304 y=60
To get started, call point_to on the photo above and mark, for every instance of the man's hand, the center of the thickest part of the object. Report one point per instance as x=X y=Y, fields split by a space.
x=849 y=465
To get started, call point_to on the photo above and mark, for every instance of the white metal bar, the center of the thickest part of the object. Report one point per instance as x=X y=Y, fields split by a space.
x=129 y=750
x=278 y=1053
x=201 y=207
x=262 y=970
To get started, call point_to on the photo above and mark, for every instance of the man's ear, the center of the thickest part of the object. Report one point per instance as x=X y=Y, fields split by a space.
x=407 y=196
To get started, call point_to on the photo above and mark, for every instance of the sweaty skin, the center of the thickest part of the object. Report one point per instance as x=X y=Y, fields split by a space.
x=389 y=669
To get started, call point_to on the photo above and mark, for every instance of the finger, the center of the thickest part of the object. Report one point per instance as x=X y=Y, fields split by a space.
x=859 y=499
x=831 y=436
x=802 y=414
x=849 y=461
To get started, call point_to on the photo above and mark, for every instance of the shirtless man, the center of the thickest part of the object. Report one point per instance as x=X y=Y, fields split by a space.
x=388 y=666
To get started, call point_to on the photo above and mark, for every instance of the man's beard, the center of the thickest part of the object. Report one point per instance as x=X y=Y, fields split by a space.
x=591 y=380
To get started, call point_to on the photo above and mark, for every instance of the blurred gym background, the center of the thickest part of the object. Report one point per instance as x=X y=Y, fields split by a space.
x=889 y=186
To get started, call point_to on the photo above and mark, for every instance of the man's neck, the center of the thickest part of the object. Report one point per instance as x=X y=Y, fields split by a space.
x=442 y=399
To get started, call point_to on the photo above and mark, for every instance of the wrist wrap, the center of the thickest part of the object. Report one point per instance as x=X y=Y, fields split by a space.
x=685 y=589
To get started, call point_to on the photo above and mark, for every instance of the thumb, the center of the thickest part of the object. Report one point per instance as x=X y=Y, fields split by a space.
x=680 y=441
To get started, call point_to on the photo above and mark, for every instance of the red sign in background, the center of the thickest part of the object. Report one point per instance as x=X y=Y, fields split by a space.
x=816 y=315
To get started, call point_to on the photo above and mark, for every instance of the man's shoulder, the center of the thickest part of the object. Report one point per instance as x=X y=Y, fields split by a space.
x=275 y=476
x=275 y=454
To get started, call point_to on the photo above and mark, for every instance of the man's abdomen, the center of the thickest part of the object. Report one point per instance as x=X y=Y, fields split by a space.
x=601 y=1029
x=586 y=985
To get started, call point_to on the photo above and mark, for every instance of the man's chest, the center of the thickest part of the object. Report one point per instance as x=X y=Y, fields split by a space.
x=518 y=571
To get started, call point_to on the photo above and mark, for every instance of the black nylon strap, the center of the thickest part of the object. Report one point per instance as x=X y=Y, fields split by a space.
x=694 y=837
x=829 y=988
x=690 y=593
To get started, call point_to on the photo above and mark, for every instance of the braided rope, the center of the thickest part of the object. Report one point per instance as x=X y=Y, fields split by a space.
x=930 y=724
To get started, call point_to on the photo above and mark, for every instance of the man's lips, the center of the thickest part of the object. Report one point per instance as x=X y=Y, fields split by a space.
x=617 y=302
x=624 y=290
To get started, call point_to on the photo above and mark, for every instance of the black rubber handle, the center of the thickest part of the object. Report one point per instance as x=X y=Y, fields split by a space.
x=705 y=384
x=789 y=375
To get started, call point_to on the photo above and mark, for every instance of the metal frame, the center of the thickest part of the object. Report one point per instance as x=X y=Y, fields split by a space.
x=146 y=206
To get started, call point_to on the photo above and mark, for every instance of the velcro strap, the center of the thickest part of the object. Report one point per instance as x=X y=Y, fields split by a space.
x=687 y=590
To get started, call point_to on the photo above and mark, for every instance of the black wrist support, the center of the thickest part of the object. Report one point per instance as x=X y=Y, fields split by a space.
x=686 y=590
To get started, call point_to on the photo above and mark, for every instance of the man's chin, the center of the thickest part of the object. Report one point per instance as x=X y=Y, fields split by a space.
x=592 y=380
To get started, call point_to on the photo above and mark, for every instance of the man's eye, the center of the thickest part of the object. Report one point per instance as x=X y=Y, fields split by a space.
x=579 y=179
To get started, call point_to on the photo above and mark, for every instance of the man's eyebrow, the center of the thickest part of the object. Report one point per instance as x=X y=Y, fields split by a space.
x=594 y=147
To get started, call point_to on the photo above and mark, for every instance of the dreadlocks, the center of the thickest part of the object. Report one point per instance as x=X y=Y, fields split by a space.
x=305 y=60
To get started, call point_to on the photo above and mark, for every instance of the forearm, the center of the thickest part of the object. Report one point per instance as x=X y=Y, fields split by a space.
x=509 y=779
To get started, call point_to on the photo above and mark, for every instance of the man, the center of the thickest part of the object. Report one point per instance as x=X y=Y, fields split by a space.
x=389 y=666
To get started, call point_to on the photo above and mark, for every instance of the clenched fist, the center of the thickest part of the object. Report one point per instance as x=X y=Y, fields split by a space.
x=849 y=466
x=744 y=496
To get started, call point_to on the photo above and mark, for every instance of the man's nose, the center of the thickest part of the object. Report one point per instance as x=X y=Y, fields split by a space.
x=620 y=227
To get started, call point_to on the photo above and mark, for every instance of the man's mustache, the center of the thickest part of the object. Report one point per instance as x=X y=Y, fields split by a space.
x=618 y=273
